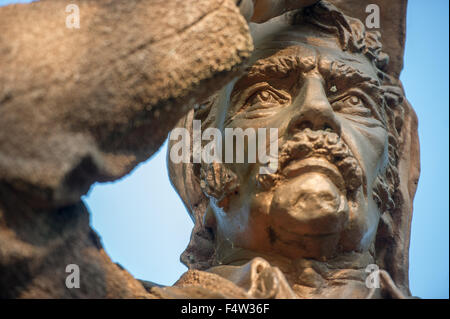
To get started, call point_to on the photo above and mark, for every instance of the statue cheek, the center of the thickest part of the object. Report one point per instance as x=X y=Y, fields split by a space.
x=369 y=146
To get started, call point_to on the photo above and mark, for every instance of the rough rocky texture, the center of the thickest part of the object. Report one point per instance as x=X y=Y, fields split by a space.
x=84 y=105
x=37 y=245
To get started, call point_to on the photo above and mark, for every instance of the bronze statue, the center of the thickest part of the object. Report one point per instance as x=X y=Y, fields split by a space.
x=334 y=206
x=87 y=104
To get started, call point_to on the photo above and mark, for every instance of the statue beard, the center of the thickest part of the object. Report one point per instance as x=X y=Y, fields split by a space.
x=219 y=182
x=316 y=144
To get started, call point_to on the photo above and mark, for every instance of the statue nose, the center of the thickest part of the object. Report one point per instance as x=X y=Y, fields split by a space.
x=313 y=110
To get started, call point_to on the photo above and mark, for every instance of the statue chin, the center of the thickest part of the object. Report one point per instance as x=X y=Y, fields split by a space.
x=310 y=204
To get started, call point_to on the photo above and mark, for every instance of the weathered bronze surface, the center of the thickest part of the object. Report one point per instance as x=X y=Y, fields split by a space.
x=87 y=105
x=348 y=165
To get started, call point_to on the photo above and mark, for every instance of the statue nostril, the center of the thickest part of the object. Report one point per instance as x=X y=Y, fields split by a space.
x=327 y=128
x=304 y=125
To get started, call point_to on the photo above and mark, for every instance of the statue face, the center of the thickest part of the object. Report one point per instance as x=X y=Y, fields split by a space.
x=332 y=145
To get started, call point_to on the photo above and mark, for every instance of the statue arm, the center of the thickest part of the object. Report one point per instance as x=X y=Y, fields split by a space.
x=115 y=86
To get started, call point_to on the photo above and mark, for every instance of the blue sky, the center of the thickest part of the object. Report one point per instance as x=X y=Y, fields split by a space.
x=144 y=225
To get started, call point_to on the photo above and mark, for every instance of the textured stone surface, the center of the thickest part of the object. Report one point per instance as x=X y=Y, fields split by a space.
x=84 y=105
x=37 y=245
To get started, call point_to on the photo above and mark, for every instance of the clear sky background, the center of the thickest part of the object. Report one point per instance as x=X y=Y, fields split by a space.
x=145 y=228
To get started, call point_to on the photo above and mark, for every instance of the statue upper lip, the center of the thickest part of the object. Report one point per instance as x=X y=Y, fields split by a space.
x=315 y=164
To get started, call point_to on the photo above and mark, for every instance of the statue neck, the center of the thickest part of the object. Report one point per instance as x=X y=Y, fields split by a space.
x=340 y=277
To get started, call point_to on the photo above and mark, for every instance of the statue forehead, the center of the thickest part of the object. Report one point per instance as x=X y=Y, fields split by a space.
x=307 y=42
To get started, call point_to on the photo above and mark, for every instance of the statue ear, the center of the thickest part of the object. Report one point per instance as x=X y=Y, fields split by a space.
x=392 y=253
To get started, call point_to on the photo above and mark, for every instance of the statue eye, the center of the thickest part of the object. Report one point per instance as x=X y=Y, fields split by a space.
x=353 y=100
x=265 y=96
x=268 y=97
x=262 y=100
x=352 y=105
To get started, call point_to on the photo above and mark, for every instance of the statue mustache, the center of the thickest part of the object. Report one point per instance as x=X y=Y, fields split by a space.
x=311 y=143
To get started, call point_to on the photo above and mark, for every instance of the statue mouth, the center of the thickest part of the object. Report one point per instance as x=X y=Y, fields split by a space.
x=325 y=152
x=315 y=164
x=316 y=151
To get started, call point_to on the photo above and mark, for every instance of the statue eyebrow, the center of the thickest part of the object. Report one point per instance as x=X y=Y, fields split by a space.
x=281 y=66
x=338 y=72
x=335 y=72
x=345 y=75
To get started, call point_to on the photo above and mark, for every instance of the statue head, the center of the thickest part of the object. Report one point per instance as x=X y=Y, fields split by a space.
x=318 y=77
